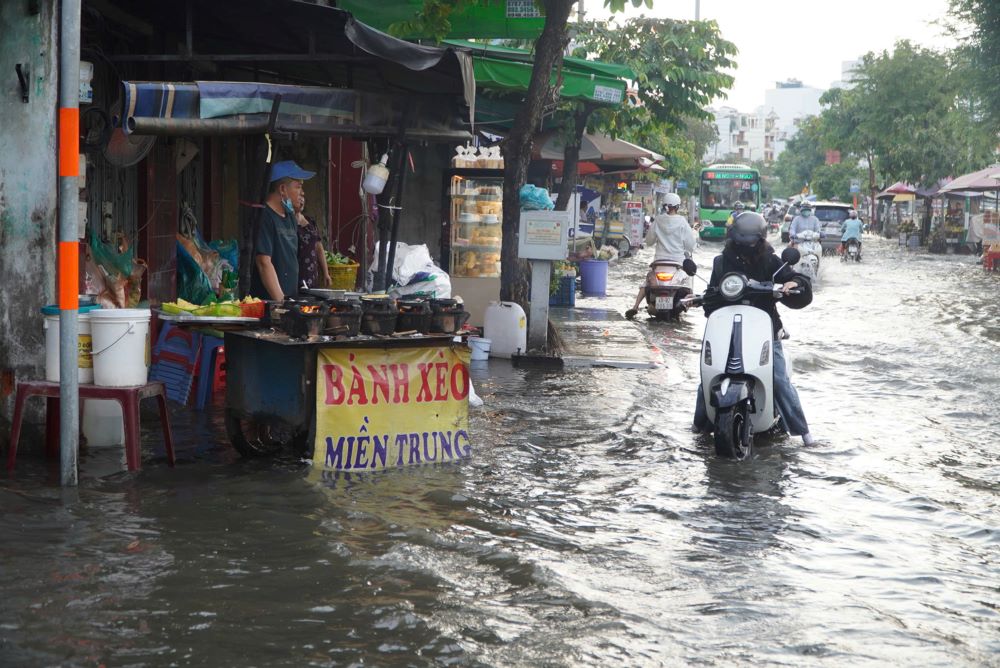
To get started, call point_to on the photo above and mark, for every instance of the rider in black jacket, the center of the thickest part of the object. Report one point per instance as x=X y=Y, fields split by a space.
x=747 y=252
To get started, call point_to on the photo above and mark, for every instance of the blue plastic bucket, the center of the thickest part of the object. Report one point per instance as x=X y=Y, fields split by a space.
x=594 y=277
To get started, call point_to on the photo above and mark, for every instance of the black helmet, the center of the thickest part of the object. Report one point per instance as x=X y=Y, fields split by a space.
x=739 y=206
x=748 y=228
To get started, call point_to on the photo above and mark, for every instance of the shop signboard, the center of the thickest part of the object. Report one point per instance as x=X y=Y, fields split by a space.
x=642 y=188
x=544 y=235
x=391 y=407
x=634 y=211
x=855 y=185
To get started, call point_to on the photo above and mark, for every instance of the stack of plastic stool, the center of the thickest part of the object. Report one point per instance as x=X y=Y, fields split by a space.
x=174 y=359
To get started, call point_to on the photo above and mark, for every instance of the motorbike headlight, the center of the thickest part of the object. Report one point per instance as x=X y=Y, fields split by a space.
x=732 y=286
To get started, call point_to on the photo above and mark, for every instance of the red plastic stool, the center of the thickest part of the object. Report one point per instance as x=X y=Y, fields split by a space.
x=219 y=372
x=128 y=397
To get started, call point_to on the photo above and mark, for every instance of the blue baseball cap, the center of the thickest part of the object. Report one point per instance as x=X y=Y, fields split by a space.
x=288 y=169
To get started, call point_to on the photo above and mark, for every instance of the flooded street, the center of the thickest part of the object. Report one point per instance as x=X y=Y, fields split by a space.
x=591 y=528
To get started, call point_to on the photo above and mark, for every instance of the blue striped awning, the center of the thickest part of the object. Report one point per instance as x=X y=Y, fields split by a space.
x=305 y=105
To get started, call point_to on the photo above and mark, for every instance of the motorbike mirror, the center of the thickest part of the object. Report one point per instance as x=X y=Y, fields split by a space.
x=689 y=266
x=791 y=256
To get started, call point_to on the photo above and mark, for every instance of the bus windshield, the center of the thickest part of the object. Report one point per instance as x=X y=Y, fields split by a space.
x=720 y=190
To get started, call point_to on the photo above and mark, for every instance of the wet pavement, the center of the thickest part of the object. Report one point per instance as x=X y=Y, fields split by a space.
x=598 y=335
x=591 y=527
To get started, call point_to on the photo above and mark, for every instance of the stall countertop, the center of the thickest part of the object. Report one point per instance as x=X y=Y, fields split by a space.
x=361 y=341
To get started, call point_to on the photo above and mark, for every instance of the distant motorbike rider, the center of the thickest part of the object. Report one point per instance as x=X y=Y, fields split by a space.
x=738 y=208
x=674 y=241
x=803 y=222
x=747 y=252
x=851 y=229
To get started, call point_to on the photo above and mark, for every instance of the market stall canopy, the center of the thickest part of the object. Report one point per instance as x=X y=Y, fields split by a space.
x=597 y=148
x=985 y=180
x=221 y=107
x=517 y=19
x=898 y=188
x=289 y=41
x=507 y=69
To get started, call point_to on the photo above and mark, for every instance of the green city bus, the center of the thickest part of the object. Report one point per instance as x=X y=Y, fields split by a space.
x=721 y=187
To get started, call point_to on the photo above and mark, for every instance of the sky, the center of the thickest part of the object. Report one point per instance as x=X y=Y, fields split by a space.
x=802 y=39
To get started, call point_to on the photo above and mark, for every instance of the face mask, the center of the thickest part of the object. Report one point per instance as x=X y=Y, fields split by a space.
x=286 y=203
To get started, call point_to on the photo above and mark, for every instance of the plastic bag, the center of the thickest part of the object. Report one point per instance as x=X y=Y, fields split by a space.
x=437 y=285
x=113 y=273
x=534 y=198
x=192 y=282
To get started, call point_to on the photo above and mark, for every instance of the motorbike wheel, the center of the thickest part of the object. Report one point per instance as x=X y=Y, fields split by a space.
x=261 y=438
x=734 y=433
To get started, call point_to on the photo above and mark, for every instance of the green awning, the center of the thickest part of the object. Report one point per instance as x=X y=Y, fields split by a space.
x=506 y=69
x=496 y=19
x=613 y=70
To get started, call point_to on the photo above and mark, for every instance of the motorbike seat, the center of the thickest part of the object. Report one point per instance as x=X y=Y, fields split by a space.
x=664 y=263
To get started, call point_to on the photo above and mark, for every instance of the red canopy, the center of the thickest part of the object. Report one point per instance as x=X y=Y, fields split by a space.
x=583 y=168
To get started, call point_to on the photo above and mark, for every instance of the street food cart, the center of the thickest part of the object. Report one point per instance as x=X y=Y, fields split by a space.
x=361 y=404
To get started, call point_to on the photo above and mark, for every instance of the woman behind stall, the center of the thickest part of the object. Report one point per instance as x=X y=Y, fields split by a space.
x=312 y=258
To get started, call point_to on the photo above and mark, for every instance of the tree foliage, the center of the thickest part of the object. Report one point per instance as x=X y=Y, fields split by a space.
x=909 y=111
x=979 y=31
x=803 y=154
x=679 y=66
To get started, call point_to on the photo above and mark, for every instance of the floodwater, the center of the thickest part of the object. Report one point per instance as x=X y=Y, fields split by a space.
x=591 y=528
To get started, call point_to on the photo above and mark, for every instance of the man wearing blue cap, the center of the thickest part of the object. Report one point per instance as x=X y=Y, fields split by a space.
x=276 y=247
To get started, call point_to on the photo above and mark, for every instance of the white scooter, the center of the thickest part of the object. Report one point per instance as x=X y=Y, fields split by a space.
x=668 y=284
x=811 y=251
x=737 y=372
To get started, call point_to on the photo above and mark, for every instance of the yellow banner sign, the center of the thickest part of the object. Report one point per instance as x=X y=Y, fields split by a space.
x=393 y=407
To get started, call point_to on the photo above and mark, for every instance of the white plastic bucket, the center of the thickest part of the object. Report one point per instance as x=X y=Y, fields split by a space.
x=480 y=348
x=85 y=368
x=121 y=346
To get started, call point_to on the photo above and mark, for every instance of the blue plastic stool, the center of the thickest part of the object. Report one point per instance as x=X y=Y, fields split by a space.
x=206 y=364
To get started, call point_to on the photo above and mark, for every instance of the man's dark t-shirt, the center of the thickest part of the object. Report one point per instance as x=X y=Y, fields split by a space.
x=277 y=237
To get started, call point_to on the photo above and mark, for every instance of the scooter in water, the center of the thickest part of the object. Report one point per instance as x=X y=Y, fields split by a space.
x=667 y=285
x=852 y=251
x=737 y=353
x=811 y=251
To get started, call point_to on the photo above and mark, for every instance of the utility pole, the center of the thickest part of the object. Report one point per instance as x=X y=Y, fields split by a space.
x=697 y=10
x=69 y=244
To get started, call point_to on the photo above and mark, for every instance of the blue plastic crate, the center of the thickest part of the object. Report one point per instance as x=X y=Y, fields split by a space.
x=566 y=294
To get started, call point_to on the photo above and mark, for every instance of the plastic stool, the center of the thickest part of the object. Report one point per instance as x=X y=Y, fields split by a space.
x=219 y=370
x=209 y=344
x=128 y=397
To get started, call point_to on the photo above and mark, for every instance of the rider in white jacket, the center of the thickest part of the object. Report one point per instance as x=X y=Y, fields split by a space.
x=803 y=222
x=674 y=240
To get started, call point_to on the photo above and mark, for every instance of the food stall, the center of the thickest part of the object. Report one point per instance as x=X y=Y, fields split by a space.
x=353 y=383
x=396 y=365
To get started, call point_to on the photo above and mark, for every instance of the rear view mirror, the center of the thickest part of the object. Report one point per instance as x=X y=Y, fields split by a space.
x=690 y=268
x=791 y=256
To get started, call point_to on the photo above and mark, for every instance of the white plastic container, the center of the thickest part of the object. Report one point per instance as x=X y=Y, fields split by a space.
x=85 y=368
x=480 y=348
x=506 y=326
x=102 y=423
x=121 y=346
